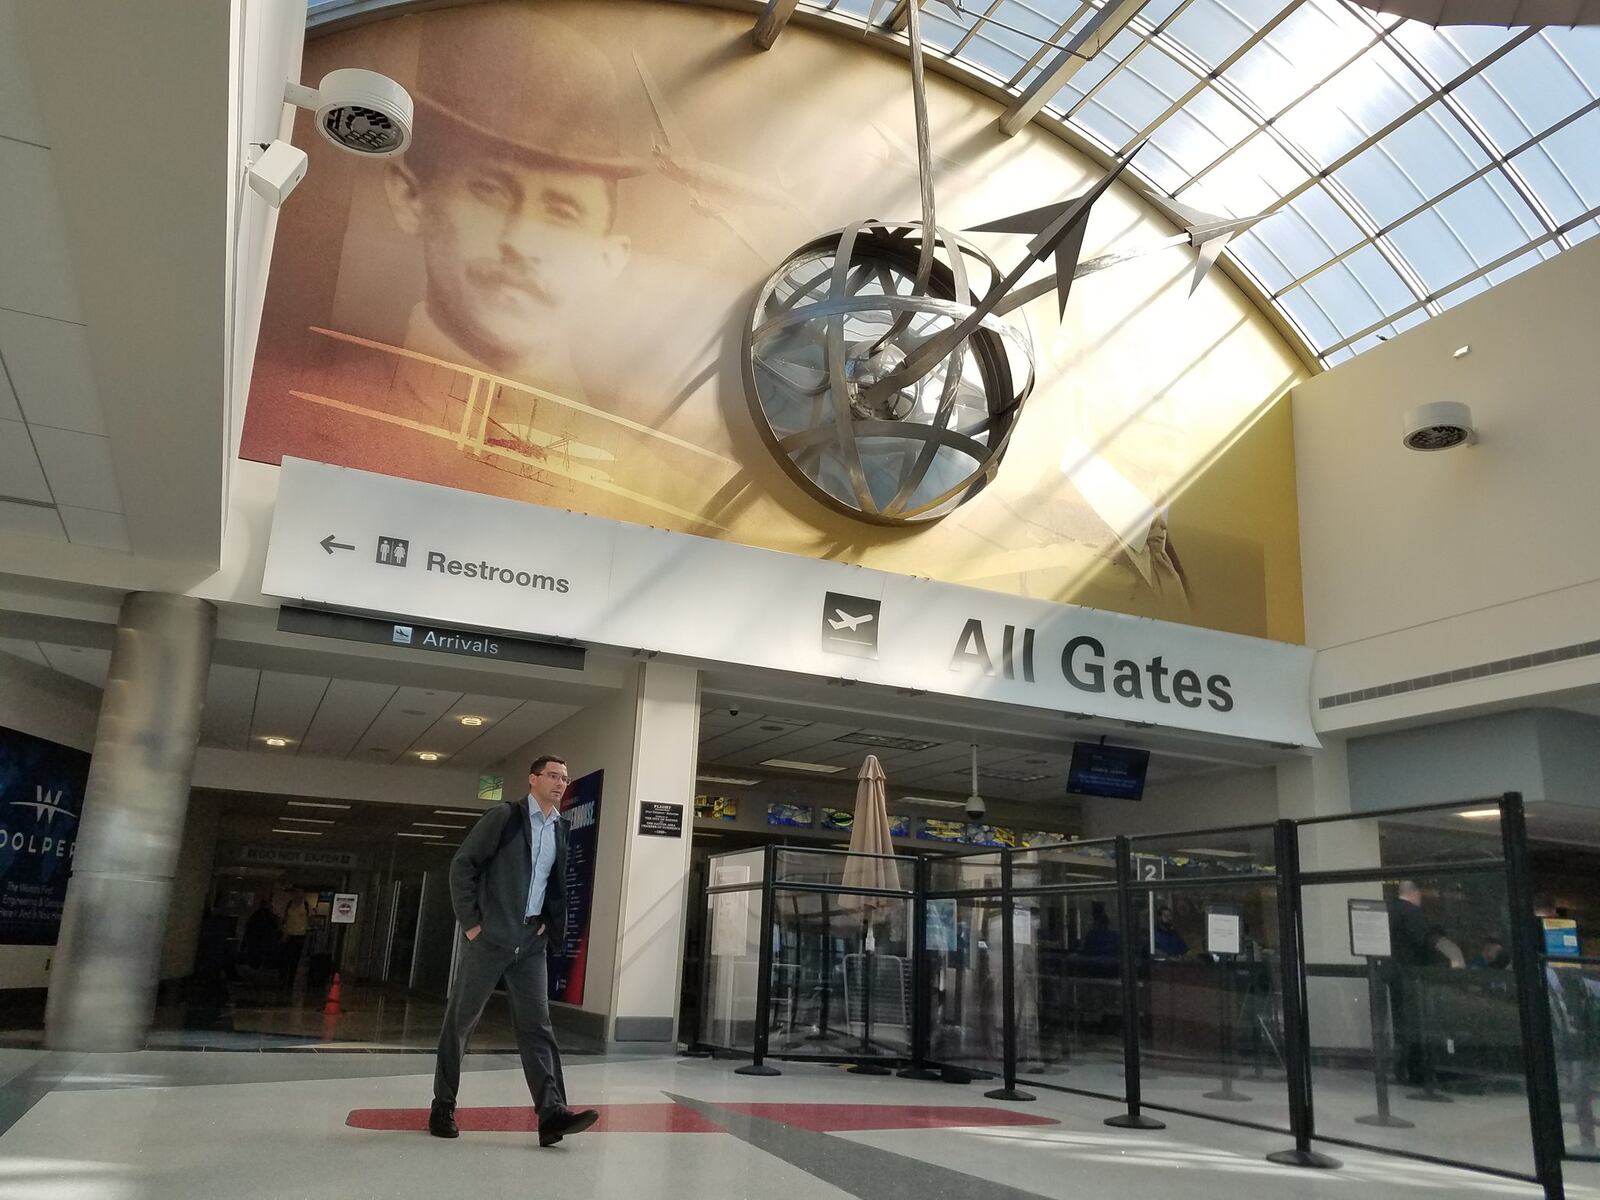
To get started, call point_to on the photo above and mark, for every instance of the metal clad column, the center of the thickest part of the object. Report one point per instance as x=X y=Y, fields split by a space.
x=103 y=980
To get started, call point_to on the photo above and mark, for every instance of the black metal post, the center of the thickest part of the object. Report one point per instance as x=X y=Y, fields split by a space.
x=869 y=965
x=1296 y=1033
x=1378 y=1009
x=1533 y=1003
x=1008 y=987
x=823 y=1034
x=1133 y=1118
x=764 y=969
x=921 y=979
x=697 y=1046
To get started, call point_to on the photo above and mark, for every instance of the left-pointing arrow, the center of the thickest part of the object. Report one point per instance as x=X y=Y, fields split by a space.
x=330 y=545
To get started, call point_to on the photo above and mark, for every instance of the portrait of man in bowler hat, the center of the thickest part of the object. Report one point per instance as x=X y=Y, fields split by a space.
x=510 y=187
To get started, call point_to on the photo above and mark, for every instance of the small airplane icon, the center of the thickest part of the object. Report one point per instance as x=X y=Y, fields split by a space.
x=846 y=621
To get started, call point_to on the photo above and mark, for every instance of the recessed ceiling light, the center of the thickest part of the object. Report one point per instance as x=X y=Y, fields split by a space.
x=308 y=820
x=444 y=843
x=435 y=825
x=315 y=804
x=474 y=721
x=420 y=835
x=730 y=780
x=1210 y=852
x=453 y=812
x=276 y=741
x=301 y=832
x=428 y=756
x=887 y=741
x=789 y=764
x=1479 y=814
x=770 y=728
x=932 y=803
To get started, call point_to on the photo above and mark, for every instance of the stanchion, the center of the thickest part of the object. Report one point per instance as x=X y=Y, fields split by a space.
x=823 y=1033
x=1008 y=996
x=868 y=970
x=1380 y=1053
x=921 y=978
x=1228 y=1069
x=1133 y=1118
x=764 y=976
x=1296 y=1034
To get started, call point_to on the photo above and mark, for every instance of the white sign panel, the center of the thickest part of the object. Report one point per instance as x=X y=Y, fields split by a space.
x=372 y=543
x=1224 y=932
x=1369 y=929
x=344 y=908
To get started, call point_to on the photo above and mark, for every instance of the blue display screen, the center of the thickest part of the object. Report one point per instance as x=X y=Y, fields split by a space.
x=1116 y=772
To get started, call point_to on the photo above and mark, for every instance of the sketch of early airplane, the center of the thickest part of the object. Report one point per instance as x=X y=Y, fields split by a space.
x=847 y=621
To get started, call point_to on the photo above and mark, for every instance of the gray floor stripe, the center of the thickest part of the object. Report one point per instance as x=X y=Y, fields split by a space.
x=863 y=1171
x=26 y=1088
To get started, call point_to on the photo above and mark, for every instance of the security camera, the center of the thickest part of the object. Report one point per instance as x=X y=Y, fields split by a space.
x=273 y=169
x=362 y=112
x=975 y=807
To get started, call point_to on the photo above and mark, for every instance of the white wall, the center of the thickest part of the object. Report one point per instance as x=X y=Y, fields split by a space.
x=1243 y=797
x=38 y=701
x=1420 y=563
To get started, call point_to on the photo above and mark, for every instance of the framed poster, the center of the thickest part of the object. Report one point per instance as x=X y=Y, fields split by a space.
x=41 y=804
x=581 y=807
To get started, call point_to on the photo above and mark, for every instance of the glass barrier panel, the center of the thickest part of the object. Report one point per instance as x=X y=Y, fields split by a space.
x=963 y=978
x=732 y=970
x=1204 y=855
x=1468 y=834
x=1069 y=990
x=838 y=869
x=1416 y=1040
x=965 y=873
x=1074 y=864
x=1211 y=1001
x=1574 y=992
x=735 y=870
x=841 y=976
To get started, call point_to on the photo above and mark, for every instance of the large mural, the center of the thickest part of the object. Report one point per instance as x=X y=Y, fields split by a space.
x=548 y=298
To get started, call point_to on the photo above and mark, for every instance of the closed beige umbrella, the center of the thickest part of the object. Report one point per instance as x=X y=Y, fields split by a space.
x=870 y=836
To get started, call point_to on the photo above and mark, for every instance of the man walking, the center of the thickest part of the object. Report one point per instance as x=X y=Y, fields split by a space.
x=508 y=888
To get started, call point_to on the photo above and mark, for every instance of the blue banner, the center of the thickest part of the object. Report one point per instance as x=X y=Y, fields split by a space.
x=581 y=806
x=41 y=803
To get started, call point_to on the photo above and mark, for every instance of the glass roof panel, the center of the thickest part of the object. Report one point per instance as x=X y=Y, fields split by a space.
x=1415 y=163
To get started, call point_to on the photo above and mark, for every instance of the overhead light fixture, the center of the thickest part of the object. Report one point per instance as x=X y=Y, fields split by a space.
x=435 y=825
x=428 y=756
x=887 y=741
x=730 y=780
x=1011 y=776
x=308 y=820
x=1441 y=425
x=451 y=844
x=1207 y=852
x=300 y=832
x=1479 y=814
x=790 y=764
x=276 y=741
x=455 y=812
x=429 y=836
x=315 y=804
x=473 y=721
x=930 y=802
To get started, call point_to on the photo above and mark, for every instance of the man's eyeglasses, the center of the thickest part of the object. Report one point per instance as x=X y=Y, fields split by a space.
x=553 y=775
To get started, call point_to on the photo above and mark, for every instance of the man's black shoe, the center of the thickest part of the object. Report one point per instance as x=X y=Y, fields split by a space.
x=568 y=1120
x=442 y=1120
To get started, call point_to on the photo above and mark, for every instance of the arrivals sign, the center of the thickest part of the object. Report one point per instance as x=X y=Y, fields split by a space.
x=490 y=563
x=41 y=805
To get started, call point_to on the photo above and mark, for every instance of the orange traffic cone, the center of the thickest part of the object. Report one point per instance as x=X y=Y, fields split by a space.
x=331 y=1008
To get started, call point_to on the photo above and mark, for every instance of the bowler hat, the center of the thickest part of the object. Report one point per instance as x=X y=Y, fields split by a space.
x=529 y=84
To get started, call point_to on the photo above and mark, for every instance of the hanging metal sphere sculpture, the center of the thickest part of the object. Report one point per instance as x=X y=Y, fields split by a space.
x=839 y=318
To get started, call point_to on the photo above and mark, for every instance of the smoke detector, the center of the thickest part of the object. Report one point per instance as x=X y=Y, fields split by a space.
x=1442 y=425
x=361 y=112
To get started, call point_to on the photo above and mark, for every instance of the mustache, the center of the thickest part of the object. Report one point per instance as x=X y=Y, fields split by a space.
x=494 y=275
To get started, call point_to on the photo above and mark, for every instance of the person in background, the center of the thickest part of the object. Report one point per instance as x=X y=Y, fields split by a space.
x=1493 y=957
x=296 y=925
x=1169 y=942
x=260 y=940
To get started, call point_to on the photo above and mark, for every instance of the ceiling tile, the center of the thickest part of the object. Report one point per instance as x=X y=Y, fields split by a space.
x=31 y=520
x=343 y=715
x=285 y=704
x=24 y=649
x=9 y=409
x=35 y=267
x=405 y=718
x=78 y=466
x=50 y=369
x=20 y=473
x=81 y=662
x=19 y=109
x=91 y=527
x=230 y=701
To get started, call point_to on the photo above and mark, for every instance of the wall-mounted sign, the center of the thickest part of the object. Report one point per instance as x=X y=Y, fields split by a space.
x=661 y=820
x=1224 y=931
x=1369 y=929
x=641 y=588
x=41 y=801
x=1560 y=937
x=344 y=908
x=580 y=805
x=284 y=856
x=410 y=635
